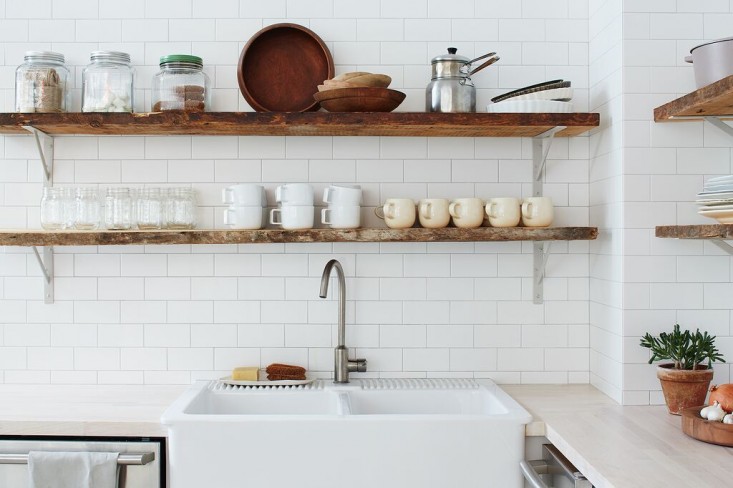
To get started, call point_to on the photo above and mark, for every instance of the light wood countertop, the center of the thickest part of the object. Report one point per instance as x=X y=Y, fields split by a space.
x=622 y=447
x=614 y=446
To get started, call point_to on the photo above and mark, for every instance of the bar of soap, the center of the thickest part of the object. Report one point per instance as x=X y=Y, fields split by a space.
x=246 y=373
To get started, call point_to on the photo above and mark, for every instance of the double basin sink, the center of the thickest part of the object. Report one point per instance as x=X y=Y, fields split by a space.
x=368 y=433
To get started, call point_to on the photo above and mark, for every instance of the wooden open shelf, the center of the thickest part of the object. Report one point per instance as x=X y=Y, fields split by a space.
x=300 y=124
x=24 y=237
x=709 y=231
x=712 y=100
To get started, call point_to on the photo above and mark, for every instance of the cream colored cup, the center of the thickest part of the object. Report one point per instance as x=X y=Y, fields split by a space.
x=504 y=212
x=433 y=212
x=398 y=213
x=467 y=212
x=537 y=212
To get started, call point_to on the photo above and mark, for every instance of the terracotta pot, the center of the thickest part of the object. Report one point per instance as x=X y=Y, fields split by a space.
x=684 y=388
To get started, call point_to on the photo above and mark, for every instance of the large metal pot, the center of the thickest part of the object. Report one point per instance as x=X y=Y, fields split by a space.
x=712 y=61
x=450 y=88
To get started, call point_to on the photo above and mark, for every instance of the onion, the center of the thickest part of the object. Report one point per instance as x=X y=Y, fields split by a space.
x=722 y=394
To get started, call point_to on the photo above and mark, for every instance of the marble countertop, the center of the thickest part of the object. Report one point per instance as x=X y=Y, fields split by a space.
x=614 y=446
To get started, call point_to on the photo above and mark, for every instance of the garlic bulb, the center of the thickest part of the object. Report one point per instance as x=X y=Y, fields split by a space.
x=728 y=419
x=704 y=411
x=716 y=413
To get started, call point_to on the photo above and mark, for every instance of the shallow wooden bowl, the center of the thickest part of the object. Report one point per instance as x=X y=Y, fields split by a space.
x=706 y=430
x=360 y=99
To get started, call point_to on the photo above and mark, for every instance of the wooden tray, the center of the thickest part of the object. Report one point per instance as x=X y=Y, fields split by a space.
x=706 y=430
x=281 y=67
x=361 y=99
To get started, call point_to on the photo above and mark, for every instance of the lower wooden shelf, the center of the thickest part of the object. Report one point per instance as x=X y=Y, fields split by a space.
x=25 y=237
x=709 y=231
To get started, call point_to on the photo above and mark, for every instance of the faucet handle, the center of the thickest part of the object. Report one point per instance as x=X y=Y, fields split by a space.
x=357 y=365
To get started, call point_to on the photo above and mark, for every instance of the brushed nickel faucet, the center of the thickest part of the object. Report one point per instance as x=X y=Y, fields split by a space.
x=342 y=364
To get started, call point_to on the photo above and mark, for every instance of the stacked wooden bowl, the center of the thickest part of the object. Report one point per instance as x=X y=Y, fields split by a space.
x=358 y=91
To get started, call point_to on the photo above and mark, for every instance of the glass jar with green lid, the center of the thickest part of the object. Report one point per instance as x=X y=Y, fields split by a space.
x=107 y=83
x=181 y=84
x=41 y=83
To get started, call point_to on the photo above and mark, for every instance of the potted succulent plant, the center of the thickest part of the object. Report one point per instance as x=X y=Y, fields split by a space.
x=685 y=380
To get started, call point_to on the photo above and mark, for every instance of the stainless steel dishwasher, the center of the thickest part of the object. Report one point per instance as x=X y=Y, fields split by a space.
x=553 y=471
x=141 y=460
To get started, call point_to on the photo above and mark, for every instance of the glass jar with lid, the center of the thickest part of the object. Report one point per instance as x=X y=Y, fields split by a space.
x=107 y=83
x=181 y=84
x=41 y=83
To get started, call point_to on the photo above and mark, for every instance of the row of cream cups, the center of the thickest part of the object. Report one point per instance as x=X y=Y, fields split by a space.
x=295 y=206
x=435 y=213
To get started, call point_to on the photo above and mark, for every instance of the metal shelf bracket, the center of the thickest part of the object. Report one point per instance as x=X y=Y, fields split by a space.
x=46 y=264
x=723 y=245
x=541 y=253
x=44 y=144
x=541 y=145
x=718 y=122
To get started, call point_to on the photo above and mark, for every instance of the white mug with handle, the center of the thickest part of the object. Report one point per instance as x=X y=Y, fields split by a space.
x=341 y=217
x=293 y=217
x=537 y=212
x=397 y=213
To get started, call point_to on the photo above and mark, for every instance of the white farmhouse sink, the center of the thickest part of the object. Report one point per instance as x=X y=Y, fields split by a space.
x=370 y=433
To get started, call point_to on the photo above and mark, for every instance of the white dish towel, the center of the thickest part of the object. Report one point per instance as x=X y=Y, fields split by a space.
x=47 y=469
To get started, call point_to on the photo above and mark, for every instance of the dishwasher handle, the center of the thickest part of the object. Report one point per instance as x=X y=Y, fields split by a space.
x=126 y=459
x=529 y=470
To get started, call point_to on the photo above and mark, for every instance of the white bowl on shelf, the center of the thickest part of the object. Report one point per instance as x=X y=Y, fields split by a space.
x=530 y=106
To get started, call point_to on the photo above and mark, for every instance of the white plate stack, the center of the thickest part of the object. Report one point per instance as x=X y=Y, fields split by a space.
x=716 y=199
x=551 y=97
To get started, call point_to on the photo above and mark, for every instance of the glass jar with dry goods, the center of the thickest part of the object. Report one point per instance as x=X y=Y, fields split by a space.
x=41 y=83
x=107 y=83
x=118 y=209
x=180 y=208
x=181 y=84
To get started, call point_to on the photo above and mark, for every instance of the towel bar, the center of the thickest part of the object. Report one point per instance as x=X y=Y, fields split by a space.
x=126 y=459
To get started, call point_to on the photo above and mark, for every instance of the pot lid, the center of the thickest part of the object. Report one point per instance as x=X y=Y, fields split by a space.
x=712 y=42
x=451 y=56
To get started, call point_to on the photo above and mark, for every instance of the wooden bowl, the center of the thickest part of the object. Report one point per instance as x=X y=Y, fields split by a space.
x=360 y=99
x=706 y=430
x=281 y=66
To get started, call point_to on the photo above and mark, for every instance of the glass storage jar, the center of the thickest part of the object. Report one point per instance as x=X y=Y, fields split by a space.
x=118 y=209
x=180 y=208
x=107 y=83
x=54 y=208
x=181 y=84
x=150 y=209
x=41 y=83
x=88 y=209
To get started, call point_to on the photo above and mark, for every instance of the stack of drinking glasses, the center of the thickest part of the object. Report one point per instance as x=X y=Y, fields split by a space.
x=122 y=208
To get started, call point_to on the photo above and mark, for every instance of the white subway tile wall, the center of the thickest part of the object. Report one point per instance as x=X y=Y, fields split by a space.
x=173 y=314
x=667 y=281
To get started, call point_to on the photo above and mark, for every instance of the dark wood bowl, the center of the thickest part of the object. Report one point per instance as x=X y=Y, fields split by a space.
x=360 y=99
x=281 y=66
x=706 y=430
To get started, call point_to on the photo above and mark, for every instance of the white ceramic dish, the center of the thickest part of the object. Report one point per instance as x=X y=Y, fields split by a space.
x=719 y=179
x=530 y=106
x=722 y=215
x=263 y=381
x=558 y=94
x=714 y=195
x=714 y=203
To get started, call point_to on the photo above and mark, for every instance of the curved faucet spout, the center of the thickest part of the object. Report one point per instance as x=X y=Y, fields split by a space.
x=342 y=364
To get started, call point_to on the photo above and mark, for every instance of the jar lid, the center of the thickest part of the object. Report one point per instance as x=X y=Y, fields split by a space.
x=114 y=56
x=451 y=56
x=181 y=58
x=43 y=56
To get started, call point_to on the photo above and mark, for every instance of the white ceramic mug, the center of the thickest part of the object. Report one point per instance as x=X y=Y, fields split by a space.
x=293 y=217
x=504 y=212
x=244 y=195
x=537 y=212
x=398 y=213
x=342 y=195
x=240 y=217
x=300 y=194
x=341 y=217
x=433 y=212
x=467 y=212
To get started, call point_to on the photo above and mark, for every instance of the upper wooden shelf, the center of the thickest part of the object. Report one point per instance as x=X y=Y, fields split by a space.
x=25 y=237
x=712 y=100
x=709 y=231
x=300 y=124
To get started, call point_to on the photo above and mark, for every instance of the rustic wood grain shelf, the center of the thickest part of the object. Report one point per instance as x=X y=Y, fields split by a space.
x=24 y=237
x=714 y=100
x=300 y=124
x=709 y=231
